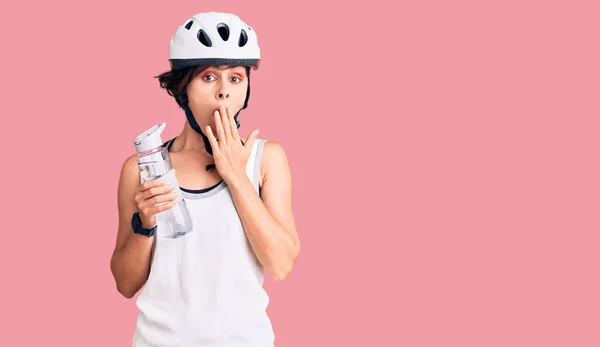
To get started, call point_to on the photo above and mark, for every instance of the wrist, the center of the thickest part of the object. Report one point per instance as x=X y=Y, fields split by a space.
x=138 y=226
x=144 y=223
x=239 y=182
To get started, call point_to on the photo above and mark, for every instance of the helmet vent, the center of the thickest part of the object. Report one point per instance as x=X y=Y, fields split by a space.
x=243 y=39
x=223 y=30
x=204 y=39
x=188 y=26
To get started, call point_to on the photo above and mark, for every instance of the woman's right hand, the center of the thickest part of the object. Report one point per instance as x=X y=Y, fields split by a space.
x=151 y=193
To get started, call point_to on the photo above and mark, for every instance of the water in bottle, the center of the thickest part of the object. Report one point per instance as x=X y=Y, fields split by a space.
x=154 y=162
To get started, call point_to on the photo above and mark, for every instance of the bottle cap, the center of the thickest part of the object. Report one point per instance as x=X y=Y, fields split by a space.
x=150 y=138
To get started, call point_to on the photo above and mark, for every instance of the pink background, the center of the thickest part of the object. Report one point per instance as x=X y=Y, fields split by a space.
x=444 y=156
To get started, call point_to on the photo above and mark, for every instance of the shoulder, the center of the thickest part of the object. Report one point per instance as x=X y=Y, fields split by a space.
x=129 y=181
x=129 y=170
x=273 y=152
x=130 y=164
x=274 y=160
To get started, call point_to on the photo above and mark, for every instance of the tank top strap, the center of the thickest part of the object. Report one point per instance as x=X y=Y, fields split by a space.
x=168 y=144
x=253 y=166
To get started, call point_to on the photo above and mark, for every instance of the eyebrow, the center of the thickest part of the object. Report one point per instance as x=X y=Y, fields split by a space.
x=237 y=70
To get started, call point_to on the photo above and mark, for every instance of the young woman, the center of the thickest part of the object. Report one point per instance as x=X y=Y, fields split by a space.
x=206 y=287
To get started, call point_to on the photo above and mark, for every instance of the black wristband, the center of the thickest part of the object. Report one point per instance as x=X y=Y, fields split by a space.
x=136 y=225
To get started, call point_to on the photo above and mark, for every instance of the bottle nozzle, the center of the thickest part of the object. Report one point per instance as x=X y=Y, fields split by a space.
x=150 y=138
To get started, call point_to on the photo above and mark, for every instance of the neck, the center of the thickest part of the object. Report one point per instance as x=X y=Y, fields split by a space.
x=189 y=141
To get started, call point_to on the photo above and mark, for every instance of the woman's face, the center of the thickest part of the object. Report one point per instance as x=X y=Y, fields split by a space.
x=215 y=87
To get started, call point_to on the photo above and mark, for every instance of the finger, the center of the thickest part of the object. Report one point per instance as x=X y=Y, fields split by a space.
x=219 y=125
x=211 y=138
x=150 y=204
x=164 y=207
x=225 y=120
x=251 y=138
x=150 y=184
x=234 y=131
x=158 y=190
x=159 y=199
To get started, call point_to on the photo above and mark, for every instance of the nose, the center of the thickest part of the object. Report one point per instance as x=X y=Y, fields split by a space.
x=223 y=95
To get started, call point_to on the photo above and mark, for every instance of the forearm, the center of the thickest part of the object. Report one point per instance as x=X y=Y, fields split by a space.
x=273 y=245
x=130 y=264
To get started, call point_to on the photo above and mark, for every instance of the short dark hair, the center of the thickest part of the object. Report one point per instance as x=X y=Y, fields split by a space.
x=176 y=81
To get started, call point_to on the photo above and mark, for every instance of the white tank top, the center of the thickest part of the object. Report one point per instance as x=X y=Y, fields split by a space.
x=206 y=288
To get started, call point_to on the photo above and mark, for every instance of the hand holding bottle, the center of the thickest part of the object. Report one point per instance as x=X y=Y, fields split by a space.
x=152 y=197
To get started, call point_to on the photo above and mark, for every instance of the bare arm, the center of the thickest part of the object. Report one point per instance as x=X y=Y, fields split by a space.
x=269 y=222
x=131 y=259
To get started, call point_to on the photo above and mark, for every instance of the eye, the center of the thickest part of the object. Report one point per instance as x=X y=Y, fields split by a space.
x=236 y=79
x=208 y=77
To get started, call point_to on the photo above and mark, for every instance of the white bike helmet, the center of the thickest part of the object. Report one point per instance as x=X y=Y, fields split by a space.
x=214 y=38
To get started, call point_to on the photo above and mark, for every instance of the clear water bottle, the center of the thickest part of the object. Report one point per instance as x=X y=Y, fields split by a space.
x=154 y=162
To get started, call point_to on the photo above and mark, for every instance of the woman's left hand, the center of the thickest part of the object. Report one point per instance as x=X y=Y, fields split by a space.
x=231 y=156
